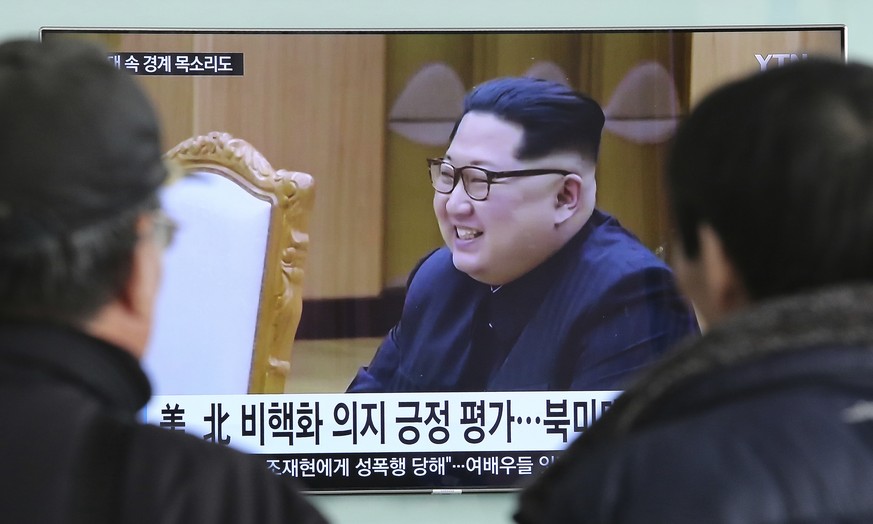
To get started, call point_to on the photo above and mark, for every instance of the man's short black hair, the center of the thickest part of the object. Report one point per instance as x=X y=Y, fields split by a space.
x=780 y=165
x=554 y=117
x=81 y=161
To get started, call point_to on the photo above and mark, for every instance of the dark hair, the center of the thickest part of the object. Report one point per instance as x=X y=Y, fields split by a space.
x=780 y=165
x=66 y=279
x=82 y=161
x=554 y=117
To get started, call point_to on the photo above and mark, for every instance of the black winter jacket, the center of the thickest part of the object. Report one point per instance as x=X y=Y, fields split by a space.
x=766 y=419
x=72 y=451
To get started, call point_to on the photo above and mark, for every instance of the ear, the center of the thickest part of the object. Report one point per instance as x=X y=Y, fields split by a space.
x=575 y=195
x=140 y=290
x=567 y=200
x=725 y=288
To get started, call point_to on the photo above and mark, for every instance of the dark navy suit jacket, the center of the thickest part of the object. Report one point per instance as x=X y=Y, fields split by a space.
x=588 y=318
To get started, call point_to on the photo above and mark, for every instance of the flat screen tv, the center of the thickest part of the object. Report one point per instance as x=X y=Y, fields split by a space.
x=361 y=111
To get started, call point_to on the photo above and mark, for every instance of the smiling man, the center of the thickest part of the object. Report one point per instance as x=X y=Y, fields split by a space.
x=535 y=288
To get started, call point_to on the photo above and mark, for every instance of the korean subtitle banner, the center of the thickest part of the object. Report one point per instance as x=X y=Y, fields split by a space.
x=181 y=64
x=393 y=438
x=331 y=423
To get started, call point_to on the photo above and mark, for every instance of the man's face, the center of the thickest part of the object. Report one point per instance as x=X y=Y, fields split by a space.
x=710 y=279
x=503 y=237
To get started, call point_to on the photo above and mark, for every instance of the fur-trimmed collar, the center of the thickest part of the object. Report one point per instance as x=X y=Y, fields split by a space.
x=834 y=317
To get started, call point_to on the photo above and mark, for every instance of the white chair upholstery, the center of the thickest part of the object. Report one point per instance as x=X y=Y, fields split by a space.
x=231 y=294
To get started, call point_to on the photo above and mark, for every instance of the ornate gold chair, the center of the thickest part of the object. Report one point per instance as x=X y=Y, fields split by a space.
x=231 y=294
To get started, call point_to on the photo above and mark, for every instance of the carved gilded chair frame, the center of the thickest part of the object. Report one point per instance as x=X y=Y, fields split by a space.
x=291 y=196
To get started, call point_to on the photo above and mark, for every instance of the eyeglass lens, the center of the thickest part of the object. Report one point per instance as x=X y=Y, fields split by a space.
x=164 y=229
x=444 y=178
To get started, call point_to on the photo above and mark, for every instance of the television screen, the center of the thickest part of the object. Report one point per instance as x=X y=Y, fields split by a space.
x=361 y=111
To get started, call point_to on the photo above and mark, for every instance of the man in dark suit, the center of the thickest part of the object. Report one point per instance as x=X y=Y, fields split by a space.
x=535 y=289
x=81 y=237
x=768 y=417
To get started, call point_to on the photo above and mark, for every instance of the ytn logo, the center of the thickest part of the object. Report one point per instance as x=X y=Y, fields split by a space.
x=779 y=59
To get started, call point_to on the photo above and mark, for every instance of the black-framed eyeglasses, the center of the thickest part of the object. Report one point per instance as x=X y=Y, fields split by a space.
x=476 y=180
x=164 y=228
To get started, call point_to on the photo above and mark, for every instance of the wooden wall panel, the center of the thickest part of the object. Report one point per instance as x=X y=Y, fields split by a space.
x=629 y=175
x=718 y=57
x=499 y=54
x=411 y=229
x=307 y=103
x=172 y=95
x=316 y=105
